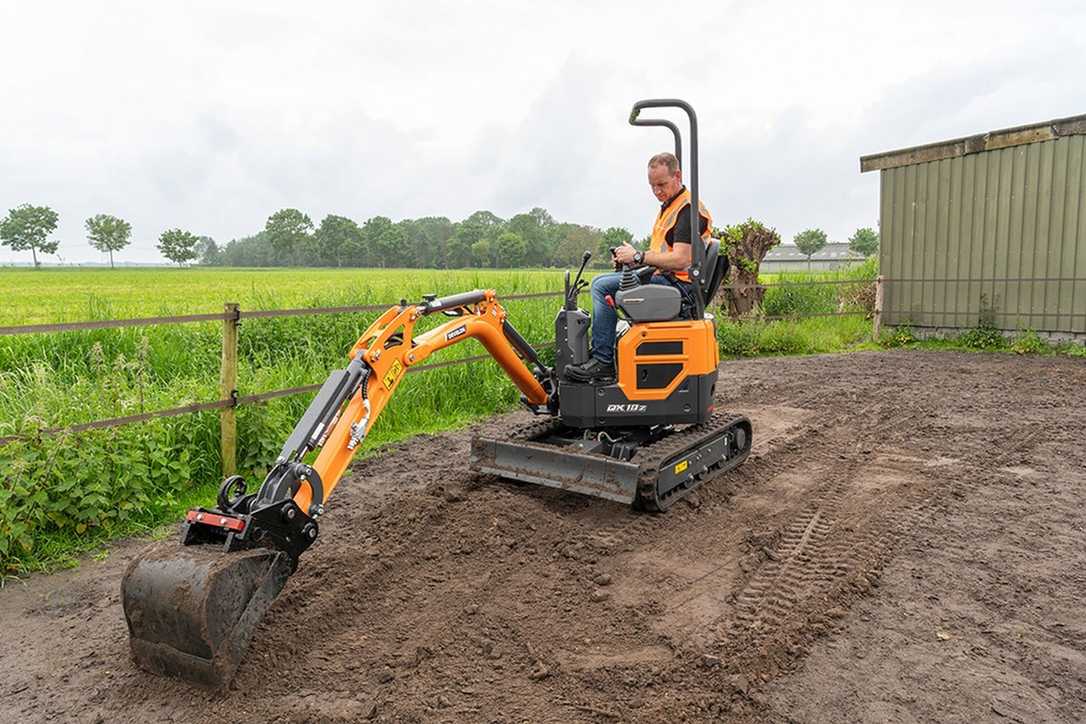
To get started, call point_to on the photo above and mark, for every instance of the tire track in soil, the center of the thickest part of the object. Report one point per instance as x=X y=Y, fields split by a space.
x=813 y=556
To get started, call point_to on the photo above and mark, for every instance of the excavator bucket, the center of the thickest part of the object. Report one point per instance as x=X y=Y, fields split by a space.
x=191 y=610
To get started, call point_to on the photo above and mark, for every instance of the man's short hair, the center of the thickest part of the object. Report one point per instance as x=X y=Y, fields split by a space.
x=665 y=159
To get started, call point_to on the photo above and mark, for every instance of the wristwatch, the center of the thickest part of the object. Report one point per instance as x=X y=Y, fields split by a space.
x=639 y=257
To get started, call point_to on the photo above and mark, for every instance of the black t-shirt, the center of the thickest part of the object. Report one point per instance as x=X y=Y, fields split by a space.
x=681 y=231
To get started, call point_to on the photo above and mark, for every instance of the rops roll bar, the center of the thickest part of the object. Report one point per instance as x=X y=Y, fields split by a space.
x=696 y=243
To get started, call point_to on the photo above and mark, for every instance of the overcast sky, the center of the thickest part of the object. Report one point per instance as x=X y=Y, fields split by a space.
x=212 y=115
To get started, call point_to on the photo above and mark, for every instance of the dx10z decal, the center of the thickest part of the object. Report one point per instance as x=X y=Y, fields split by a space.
x=629 y=407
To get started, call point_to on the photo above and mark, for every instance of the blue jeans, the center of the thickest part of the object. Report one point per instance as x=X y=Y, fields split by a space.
x=604 y=317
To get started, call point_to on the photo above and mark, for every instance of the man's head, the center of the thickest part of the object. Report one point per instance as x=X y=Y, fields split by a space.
x=665 y=178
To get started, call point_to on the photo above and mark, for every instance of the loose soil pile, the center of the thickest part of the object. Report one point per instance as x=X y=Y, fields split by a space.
x=906 y=542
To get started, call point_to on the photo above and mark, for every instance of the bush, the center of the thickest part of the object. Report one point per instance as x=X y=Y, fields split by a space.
x=783 y=339
x=737 y=339
x=984 y=338
x=1030 y=343
x=897 y=337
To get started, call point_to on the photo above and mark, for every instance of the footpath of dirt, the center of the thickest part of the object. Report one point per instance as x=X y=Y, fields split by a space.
x=905 y=543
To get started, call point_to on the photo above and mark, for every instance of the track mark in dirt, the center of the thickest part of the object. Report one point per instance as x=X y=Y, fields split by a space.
x=794 y=571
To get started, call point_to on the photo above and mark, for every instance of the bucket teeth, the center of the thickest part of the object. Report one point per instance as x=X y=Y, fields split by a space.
x=191 y=610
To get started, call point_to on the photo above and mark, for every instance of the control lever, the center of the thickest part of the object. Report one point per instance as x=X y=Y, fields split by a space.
x=572 y=292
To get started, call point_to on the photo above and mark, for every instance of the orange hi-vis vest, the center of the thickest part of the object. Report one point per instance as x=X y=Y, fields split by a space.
x=667 y=219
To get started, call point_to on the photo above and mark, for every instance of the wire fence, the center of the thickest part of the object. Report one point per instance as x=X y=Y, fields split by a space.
x=232 y=316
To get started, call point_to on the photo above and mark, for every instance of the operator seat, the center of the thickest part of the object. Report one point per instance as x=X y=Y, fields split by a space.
x=716 y=268
x=658 y=303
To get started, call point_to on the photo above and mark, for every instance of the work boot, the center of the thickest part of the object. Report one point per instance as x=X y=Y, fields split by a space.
x=593 y=370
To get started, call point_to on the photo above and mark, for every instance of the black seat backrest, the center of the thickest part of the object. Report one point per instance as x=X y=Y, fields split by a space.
x=716 y=268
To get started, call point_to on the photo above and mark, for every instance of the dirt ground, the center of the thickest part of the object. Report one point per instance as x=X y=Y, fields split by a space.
x=906 y=543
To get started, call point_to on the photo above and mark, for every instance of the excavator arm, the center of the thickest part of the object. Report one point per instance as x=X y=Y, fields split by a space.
x=192 y=612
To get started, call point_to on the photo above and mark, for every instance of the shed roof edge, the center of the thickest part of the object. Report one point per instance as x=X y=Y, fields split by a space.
x=990 y=141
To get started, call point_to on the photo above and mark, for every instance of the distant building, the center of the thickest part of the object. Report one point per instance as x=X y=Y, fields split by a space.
x=787 y=258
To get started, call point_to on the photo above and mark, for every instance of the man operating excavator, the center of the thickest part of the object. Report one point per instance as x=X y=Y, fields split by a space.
x=669 y=254
x=647 y=438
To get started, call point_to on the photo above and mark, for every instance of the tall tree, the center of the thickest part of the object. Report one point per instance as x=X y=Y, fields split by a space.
x=534 y=228
x=207 y=251
x=178 y=245
x=482 y=253
x=288 y=230
x=108 y=233
x=380 y=241
x=335 y=238
x=458 y=250
x=28 y=227
x=573 y=242
x=510 y=250
x=865 y=241
x=485 y=219
x=253 y=250
x=810 y=242
x=426 y=239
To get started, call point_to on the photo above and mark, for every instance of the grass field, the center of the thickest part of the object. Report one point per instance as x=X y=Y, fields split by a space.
x=70 y=295
x=60 y=495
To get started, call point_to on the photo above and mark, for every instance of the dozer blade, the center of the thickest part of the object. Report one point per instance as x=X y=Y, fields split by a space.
x=191 y=610
x=556 y=467
x=655 y=476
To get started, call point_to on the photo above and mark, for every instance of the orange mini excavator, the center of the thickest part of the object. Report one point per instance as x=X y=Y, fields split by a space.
x=647 y=438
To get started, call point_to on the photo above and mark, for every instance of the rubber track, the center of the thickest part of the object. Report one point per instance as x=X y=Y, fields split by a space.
x=653 y=456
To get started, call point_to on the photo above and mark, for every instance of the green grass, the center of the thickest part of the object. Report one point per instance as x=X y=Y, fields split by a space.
x=49 y=295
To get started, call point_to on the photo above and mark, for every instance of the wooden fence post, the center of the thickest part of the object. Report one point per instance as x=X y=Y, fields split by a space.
x=228 y=389
x=878 y=307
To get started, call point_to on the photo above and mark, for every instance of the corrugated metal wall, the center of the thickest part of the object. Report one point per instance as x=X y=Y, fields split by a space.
x=1016 y=213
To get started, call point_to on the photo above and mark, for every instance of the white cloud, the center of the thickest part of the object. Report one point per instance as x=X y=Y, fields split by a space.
x=211 y=117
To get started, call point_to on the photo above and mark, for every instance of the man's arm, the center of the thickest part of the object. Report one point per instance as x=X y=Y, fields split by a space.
x=677 y=258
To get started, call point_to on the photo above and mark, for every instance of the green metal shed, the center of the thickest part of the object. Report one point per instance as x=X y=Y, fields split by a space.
x=988 y=229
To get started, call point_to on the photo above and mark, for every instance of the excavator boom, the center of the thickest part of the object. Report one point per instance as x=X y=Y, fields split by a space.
x=191 y=612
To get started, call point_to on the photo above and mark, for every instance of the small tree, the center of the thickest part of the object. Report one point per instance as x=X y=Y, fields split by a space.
x=287 y=230
x=746 y=245
x=27 y=227
x=865 y=241
x=108 y=234
x=178 y=246
x=810 y=242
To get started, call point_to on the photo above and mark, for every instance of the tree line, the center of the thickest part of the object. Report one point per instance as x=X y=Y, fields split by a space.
x=531 y=239
x=290 y=238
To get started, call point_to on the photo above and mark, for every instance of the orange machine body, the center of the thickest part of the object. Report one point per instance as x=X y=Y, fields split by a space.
x=653 y=358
